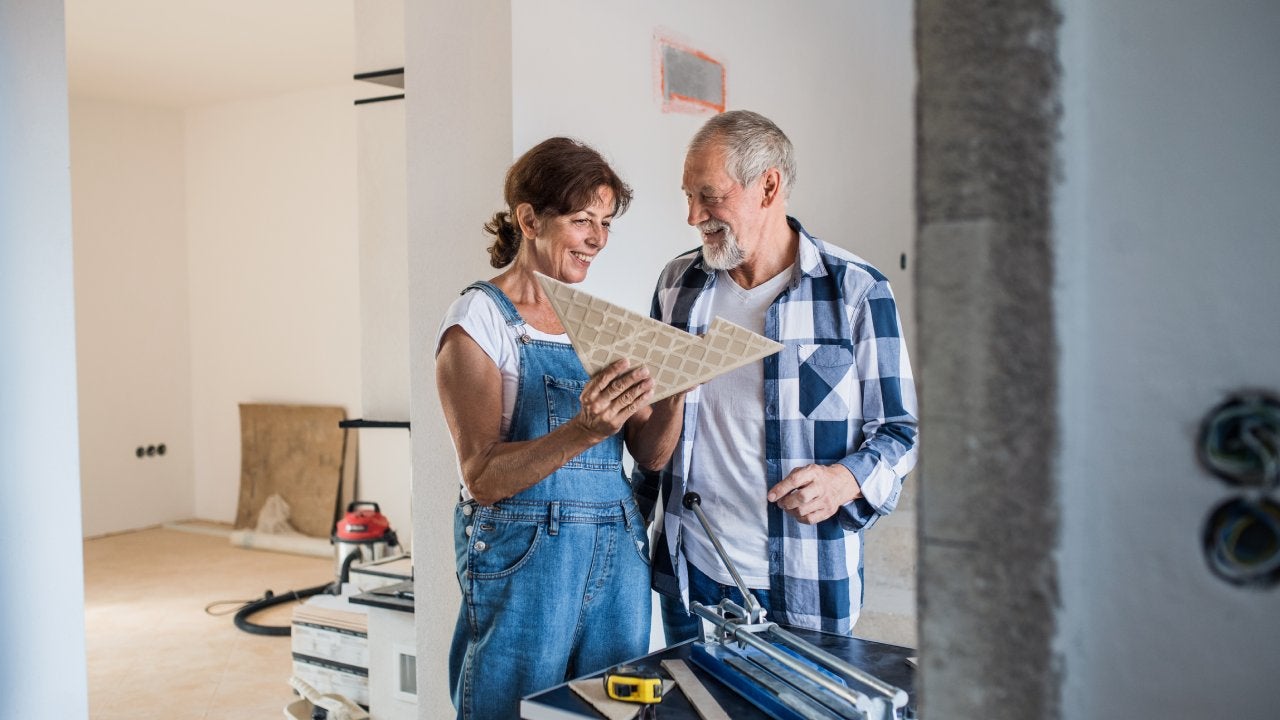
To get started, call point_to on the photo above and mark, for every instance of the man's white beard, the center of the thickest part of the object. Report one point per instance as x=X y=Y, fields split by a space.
x=725 y=256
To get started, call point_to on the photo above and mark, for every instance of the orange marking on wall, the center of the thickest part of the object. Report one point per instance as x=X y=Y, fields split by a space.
x=712 y=76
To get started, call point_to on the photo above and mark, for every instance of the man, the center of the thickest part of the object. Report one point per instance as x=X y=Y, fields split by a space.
x=795 y=455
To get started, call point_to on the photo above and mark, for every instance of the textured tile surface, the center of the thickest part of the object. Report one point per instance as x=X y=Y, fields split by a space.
x=602 y=332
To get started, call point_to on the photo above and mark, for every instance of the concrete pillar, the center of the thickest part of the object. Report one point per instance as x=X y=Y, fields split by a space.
x=987 y=112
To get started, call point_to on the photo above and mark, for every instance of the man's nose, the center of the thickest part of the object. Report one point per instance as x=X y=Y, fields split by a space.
x=697 y=213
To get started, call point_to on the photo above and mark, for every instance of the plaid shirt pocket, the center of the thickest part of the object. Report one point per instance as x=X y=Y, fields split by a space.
x=825 y=373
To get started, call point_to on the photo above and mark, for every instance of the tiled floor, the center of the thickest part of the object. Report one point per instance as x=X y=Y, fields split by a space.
x=153 y=651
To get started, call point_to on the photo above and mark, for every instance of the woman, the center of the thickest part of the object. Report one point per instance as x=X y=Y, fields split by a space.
x=551 y=549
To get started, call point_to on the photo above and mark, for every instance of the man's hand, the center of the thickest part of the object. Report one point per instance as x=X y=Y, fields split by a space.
x=814 y=493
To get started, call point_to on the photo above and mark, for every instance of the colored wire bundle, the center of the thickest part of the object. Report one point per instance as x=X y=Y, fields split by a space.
x=1240 y=441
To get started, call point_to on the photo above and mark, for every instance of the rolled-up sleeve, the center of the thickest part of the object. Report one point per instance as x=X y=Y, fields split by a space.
x=888 y=408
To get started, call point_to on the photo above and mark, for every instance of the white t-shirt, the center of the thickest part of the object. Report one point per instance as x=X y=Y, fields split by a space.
x=479 y=316
x=727 y=468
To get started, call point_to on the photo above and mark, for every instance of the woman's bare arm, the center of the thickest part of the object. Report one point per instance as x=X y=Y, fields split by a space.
x=470 y=388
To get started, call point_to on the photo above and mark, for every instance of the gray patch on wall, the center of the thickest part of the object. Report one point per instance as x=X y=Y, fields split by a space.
x=687 y=76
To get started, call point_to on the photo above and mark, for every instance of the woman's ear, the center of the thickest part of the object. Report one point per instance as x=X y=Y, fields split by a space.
x=527 y=220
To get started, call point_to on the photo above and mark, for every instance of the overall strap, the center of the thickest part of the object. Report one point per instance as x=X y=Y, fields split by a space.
x=500 y=299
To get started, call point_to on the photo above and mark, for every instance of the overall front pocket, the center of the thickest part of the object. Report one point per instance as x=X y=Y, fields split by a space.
x=501 y=546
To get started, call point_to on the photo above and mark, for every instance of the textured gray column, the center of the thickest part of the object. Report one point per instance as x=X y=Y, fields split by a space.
x=987 y=109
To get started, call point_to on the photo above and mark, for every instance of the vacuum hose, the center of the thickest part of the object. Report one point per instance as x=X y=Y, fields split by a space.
x=345 y=573
x=271 y=600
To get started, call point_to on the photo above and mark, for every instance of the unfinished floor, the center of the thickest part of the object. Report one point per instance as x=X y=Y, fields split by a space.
x=153 y=651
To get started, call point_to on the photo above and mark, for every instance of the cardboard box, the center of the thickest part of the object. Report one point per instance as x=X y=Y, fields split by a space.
x=333 y=678
x=330 y=645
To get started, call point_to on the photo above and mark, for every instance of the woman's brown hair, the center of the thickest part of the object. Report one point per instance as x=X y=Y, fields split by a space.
x=558 y=176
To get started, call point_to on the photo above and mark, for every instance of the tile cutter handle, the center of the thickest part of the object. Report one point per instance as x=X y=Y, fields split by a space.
x=755 y=613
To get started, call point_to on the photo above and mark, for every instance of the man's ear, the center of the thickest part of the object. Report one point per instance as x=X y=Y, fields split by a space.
x=771 y=187
x=527 y=220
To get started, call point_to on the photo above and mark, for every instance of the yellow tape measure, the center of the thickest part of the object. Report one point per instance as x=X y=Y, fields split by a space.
x=634 y=684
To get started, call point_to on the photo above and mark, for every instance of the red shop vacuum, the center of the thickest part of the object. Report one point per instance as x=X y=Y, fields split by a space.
x=360 y=536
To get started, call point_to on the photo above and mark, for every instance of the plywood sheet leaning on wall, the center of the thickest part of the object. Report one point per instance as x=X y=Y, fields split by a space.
x=299 y=453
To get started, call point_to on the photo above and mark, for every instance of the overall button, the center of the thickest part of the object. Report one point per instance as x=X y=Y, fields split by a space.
x=480 y=546
x=467 y=510
x=468 y=531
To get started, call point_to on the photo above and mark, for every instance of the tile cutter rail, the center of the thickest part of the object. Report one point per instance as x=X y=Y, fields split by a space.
x=782 y=674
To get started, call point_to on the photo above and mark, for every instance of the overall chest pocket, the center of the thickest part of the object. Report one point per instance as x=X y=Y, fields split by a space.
x=563 y=403
x=828 y=383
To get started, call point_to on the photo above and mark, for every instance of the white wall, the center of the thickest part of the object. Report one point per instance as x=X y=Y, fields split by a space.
x=386 y=455
x=581 y=69
x=273 y=270
x=1167 y=300
x=132 y=343
x=837 y=77
x=42 y=653
x=383 y=214
x=585 y=69
x=458 y=145
x=216 y=263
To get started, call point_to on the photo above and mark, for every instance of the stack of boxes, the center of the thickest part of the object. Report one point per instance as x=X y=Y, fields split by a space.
x=331 y=646
x=331 y=634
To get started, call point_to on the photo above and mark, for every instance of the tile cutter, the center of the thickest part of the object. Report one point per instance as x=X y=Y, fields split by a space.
x=783 y=675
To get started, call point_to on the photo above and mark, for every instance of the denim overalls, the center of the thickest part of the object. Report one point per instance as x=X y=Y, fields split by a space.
x=555 y=580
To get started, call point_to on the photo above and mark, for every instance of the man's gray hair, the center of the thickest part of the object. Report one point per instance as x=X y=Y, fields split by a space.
x=752 y=145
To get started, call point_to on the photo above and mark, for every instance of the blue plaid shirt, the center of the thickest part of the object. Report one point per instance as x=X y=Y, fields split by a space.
x=840 y=391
